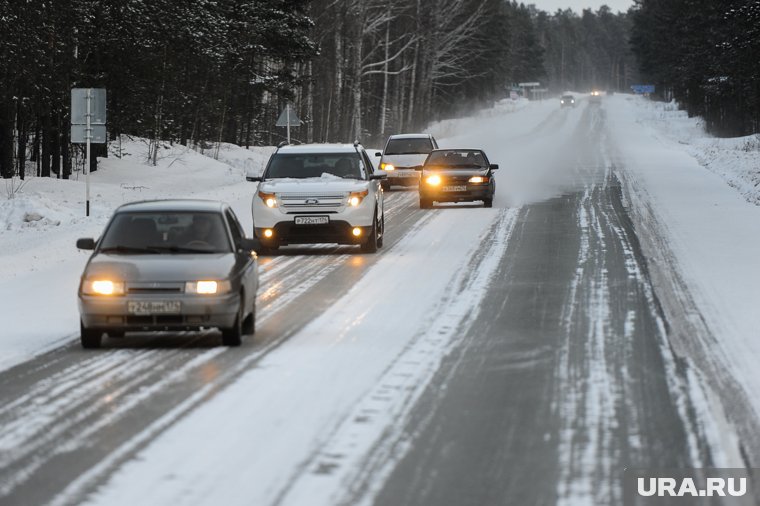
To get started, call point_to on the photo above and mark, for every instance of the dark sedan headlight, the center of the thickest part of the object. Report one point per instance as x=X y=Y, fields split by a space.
x=433 y=180
x=207 y=287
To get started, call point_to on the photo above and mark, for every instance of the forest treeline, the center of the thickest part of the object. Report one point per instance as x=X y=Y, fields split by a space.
x=706 y=55
x=197 y=72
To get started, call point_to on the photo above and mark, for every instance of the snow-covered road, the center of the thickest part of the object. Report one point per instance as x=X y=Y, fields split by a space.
x=479 y=350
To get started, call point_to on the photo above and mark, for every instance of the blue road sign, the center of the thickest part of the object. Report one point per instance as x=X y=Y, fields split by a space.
x=643 y=88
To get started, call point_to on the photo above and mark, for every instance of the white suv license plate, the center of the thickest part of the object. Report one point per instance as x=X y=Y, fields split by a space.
x=154 y=307
x=459 y=188
x=312 y=220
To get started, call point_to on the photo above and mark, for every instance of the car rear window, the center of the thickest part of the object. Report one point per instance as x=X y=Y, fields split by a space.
x=166 y=232
x=412 y=146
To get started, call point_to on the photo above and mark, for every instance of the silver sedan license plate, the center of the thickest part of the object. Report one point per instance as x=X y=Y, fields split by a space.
x=312 y=220
x=458 y=188
x=153 y=307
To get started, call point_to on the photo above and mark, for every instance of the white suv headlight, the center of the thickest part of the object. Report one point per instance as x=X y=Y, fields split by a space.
x=355 y=198
x=270 y=199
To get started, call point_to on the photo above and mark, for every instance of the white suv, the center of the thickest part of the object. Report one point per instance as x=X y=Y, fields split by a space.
x=319 y=193
x=403 y=154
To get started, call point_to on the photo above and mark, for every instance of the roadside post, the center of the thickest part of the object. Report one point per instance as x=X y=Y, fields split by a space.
x=288 y=118
x=88 y=125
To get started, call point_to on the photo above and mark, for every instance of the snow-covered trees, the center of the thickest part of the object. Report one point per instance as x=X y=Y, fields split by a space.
x=587 y=50
x=185 y=70
x=388 y=66
x=705 y=54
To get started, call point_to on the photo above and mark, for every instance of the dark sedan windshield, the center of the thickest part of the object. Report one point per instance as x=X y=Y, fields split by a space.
x=458 y=159
x=166 y=232
x=306 y=165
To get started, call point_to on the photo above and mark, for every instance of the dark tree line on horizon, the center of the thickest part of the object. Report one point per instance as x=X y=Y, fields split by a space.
x=705 y=55
x=198 y=72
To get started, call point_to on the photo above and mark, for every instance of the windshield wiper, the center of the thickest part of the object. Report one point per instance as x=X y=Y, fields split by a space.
x=182 y=249
x=129 y=249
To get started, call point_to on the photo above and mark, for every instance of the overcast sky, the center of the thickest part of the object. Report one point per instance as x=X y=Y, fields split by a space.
x=578 y=5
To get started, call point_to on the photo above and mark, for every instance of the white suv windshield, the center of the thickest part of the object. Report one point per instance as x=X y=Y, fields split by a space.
x=324 y=165
x=410 y=146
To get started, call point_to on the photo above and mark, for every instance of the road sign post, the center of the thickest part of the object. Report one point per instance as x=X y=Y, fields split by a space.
x=88 y=125
x=287 y=119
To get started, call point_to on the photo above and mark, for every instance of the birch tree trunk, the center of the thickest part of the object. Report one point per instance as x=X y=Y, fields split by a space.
x=384 y=105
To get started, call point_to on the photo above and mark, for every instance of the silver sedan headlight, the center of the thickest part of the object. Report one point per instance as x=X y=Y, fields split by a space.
x=207 y=287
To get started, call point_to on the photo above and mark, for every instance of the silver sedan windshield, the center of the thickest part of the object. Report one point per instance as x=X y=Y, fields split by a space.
x=166 y=232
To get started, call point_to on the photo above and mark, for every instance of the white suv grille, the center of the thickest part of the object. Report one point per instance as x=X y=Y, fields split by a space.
x=304 y=202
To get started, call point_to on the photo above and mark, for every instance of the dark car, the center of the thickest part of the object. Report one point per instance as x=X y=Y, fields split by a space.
x=457 y=175
x=169 y=265
x=567 y=101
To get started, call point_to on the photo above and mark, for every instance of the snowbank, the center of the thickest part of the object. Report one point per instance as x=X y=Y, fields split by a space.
x=39 y=224
x=736 y=159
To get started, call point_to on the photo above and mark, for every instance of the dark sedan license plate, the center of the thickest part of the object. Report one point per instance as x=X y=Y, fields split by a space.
x=154 y=307
x=312 y=220
x=457 y=188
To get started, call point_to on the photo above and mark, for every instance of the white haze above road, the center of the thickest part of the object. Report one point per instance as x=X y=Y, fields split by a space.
x=551 y=6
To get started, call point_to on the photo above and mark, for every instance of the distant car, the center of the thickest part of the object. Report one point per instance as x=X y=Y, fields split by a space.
x=457 y=175
x=403 y=154
x=319 y=193
x=169 y=265
x=567 y=101
x=595 y=97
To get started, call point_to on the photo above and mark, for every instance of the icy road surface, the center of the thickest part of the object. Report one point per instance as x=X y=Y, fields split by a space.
x=514 y=355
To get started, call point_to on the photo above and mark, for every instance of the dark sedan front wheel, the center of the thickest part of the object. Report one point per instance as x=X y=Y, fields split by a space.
x=90 y=338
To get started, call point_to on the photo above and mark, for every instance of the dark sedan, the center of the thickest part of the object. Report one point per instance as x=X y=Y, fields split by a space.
x=567 y=101
x=457 y=175
x=169 y=265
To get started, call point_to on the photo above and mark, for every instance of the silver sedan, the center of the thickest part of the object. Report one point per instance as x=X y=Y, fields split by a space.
x=169 y=265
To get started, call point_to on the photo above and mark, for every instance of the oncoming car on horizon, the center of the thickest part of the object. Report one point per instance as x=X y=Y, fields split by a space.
x=567 y=101
x=169 y=265
x=403 y=155
x=319 y=193
x=457 y=175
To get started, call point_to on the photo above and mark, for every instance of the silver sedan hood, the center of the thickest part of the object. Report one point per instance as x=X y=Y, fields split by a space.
x=166 y=267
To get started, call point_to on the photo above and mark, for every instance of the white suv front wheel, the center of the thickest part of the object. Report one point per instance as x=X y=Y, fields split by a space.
x=375 y=239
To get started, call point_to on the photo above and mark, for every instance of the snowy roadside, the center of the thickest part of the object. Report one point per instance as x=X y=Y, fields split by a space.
x=702 y=240
x=735 y=159
x=39 y=265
